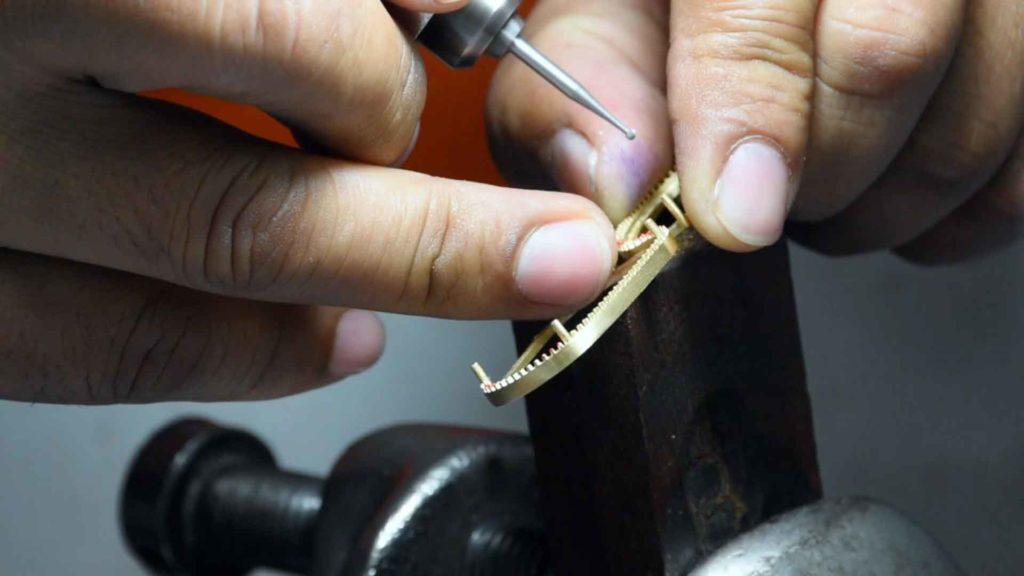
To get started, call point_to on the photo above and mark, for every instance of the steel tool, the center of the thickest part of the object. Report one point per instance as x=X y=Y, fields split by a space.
x=492 y=27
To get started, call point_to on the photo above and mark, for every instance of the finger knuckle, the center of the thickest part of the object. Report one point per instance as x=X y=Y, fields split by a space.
x=951 y=162
x=436 y=266
x=751 y=104
x=754 y=32
x=260 y=226
x=379 y=74
x=266 y=27
x=151 y=352
x=171 y=347
x=376 y=72
x=880 y=48
x=770 y=49
x=395 y=102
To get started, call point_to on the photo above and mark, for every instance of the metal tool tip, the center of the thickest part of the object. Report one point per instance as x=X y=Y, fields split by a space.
x=603 y=112
x=628 y=132
x=561 y=80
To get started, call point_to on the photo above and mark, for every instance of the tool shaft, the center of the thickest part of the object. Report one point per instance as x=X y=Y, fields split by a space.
x=560 y=79
x=492 y=27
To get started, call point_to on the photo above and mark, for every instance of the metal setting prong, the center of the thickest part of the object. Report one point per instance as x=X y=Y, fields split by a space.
x=653 y=228
x=659 y=232
x=479 y=371
x=560 y=330
x=673 y=208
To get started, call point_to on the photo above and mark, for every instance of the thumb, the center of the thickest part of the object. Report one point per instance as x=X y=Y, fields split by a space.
x=542 y=139
x=741 y=80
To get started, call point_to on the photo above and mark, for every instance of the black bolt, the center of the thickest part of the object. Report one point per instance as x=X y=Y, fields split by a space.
x=201 y=499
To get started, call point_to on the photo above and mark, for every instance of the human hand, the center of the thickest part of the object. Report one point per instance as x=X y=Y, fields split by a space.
x=872 y=123
x=153 y=253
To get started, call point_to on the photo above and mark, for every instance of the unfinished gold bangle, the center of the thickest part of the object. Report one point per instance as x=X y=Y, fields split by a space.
x=630 y=233
x=646 y=246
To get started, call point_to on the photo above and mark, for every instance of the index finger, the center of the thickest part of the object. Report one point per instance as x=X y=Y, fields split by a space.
x=159 y=192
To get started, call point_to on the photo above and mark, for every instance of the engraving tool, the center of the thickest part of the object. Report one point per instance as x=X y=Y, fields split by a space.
x=492 y=27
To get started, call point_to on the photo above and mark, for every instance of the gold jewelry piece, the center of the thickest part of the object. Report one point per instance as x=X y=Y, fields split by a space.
x=630 y=234
x=646 y=246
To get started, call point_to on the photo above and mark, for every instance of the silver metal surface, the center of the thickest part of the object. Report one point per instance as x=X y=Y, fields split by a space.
x=460 y=38
x=845 y=537
x=491 y=27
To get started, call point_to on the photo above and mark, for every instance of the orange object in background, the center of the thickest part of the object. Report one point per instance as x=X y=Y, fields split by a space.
x=453 y=136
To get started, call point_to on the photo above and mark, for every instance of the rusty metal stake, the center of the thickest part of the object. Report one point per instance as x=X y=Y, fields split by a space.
x=688 y=423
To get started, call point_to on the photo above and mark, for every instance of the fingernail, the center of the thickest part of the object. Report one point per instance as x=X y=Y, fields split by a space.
x=358 y=343
x=573 y=162
x=564 y=263
x=751 y=197
x=614 y=177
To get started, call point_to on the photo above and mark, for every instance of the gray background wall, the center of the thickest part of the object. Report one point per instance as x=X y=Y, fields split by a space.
x=917 y=377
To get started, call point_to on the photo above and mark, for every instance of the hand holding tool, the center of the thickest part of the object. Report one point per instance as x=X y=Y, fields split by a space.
x=492 y=27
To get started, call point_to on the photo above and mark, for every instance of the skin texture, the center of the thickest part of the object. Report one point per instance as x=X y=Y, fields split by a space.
x=871 y=124
x=151 y=253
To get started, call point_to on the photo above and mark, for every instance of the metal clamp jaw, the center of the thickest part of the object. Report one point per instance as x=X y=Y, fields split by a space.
x=202 y=499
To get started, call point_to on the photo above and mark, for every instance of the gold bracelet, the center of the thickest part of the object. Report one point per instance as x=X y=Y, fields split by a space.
x=645 y=247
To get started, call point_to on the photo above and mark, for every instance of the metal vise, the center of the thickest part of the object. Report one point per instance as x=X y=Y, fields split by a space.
x=201 y=499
